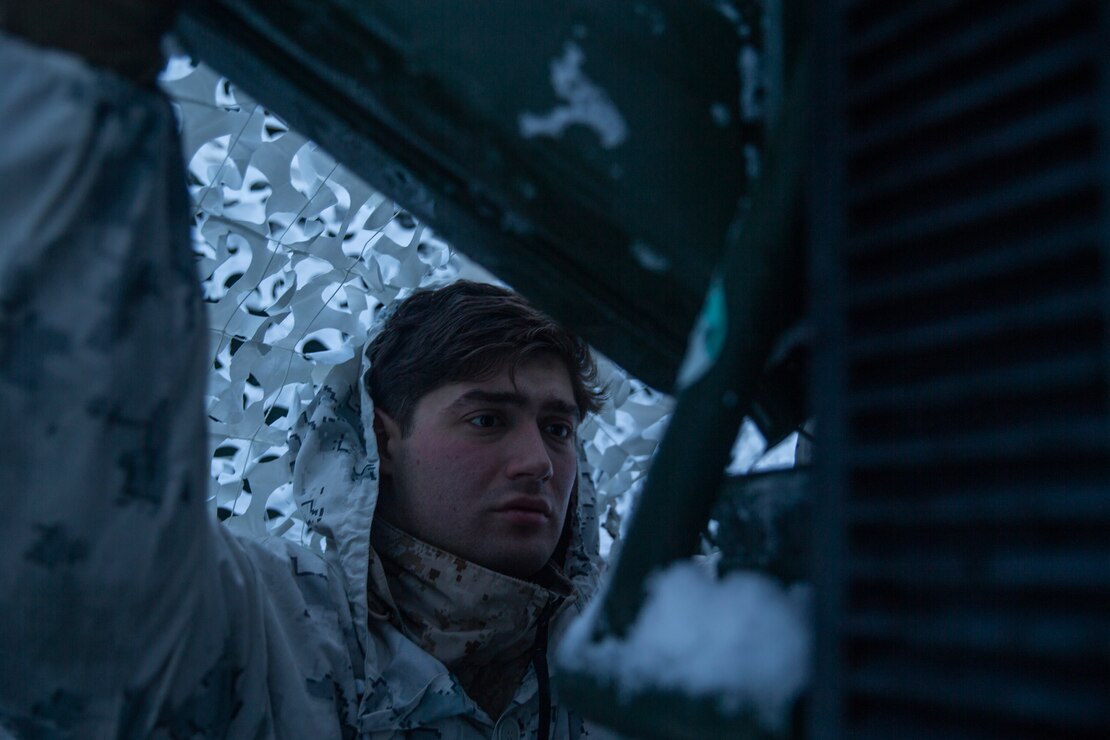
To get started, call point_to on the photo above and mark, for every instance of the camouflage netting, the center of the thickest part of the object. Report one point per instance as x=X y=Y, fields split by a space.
x=297 y=255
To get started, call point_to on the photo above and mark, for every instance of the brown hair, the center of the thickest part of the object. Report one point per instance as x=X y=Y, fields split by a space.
x=468 y=331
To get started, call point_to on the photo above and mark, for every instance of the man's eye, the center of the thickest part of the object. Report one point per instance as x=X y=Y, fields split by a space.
x=484 y=421
x=562 y=431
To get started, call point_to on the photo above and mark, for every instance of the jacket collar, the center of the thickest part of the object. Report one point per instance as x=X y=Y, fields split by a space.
x=479 y=623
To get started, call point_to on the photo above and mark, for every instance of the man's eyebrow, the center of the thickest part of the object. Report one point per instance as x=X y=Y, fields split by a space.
x=560 y=406
x=512 y=399
x=480 y=396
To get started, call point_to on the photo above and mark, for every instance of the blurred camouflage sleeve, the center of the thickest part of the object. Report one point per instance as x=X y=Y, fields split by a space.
x=109 y=590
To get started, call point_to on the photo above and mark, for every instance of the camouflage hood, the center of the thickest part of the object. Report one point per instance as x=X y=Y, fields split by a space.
x=335 y=482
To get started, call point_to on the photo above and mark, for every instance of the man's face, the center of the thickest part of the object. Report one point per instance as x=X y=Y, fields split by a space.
x=488 y=466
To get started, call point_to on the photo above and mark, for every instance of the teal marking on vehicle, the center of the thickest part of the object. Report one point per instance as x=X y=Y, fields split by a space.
x=707 y=338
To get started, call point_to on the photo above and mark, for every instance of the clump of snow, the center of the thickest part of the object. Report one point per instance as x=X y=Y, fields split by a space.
x=649 y=258
x=744 y=639
x=752 y=161
x=586 y=104
x=720 y=114
x=751 y=83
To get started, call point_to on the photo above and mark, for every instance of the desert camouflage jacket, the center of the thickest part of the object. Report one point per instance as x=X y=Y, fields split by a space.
x=125 y=611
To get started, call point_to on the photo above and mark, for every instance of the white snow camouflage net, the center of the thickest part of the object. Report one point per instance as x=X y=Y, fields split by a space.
x=297 y=255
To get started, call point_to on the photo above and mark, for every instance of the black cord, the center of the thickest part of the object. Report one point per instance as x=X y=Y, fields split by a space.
x=539 y=661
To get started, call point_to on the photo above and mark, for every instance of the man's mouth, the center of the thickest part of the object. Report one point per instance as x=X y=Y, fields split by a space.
x=527 y=503
x=526 y=510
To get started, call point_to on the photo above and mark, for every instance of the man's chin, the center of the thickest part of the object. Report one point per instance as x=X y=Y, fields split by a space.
x=523 y=562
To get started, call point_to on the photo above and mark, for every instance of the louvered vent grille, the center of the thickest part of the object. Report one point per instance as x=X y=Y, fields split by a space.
x=978 y=506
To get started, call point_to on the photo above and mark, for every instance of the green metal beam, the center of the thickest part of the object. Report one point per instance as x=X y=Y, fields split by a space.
x=612 y=225
x=755 y=298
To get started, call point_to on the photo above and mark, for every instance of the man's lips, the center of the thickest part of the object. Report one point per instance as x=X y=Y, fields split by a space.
x=534 y=504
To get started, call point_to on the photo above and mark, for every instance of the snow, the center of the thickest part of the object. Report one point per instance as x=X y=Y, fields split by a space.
x=649 y=258
x=744 y=639
x=751 y=80
x=586 y=104
x=720 y=114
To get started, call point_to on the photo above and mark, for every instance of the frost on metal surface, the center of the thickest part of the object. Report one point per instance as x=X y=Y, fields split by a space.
x=585 y=103
x=297 y=256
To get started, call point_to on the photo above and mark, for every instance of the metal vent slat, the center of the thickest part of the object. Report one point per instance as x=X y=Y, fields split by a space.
x=992 y=411
x=1009 y=198
x=1072 y=435
x=1044 y=634
x=1023 y=697
x=1054 y=502
x=1085 y=569
x=948 y=49
x=901 y=19
x=914 y=165
x=1053 y=310
x=1012 y=82
x=1027 y=378
x=1062 y=242
x=947 y=196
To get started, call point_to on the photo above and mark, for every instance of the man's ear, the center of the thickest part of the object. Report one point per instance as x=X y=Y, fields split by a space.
x=386 y=431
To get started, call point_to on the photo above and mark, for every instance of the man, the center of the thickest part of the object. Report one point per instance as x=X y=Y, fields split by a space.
x=483 y=530
x=127 y=611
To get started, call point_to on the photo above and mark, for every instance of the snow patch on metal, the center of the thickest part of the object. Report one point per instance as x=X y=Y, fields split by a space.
x=649 y=258
x=720 y=114
x=586 y=103
x=751 y=81
x=728 y=11
x=744 y=640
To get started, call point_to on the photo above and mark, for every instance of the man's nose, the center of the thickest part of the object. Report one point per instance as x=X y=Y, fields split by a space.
x=529 y=456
